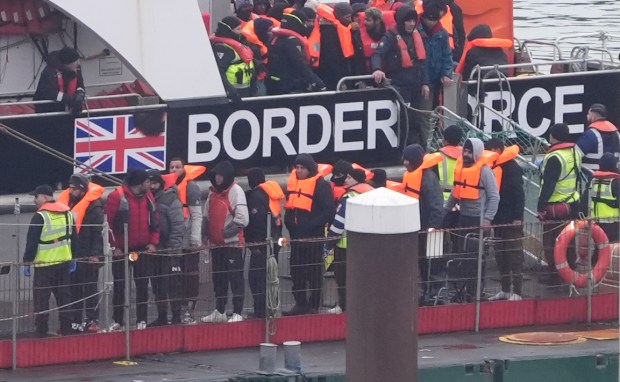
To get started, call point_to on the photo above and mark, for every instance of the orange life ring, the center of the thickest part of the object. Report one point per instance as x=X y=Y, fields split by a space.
x=580 y=280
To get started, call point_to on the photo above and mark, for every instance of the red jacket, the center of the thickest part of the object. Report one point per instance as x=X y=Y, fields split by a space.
x=142 y=229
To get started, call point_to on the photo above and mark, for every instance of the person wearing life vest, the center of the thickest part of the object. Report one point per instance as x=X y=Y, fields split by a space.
x=264 y=199
x=243 y=10
x=384 y=5
x=331 y=43
x=235 y=59
x=454 y=23
x=508 y=219
x=258 y=35
x=484 y=50
x=309 y=208
x=354 y=185
x=401 y=57
x=438 y=62
x=600 y=137
x=132 y=204
x=50 y=244
x=559 y=190
x=378 y=178
x=339 y=175
x=191 y=199
x=451 y=150
x=84 y=199
x=371 y=30
x=166 y=273
x=289 y=58
x=61 y=81
x=261 y=7
x=225 y=216
x=604 y=196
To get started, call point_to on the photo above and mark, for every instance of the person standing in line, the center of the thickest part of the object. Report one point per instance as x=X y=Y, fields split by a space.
x=226 y=215
x=191 y=198
x=166 y=266
x=132 y=204
x=50 y=244
x=509 y=219
x=84 y=199
x=309 y=208
x=601 y=137
x=604 y=196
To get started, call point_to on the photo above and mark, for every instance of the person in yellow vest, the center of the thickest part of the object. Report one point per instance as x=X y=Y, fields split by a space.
x=309 y=207
x=559 y=190
x=264 y=197
x=476 y=192
x=50 y=244
x=604 y=196
x=84 y=199
x=355 y=184
x=600 y=137
x=509 y=219
x=191 y=198
x=451 y=150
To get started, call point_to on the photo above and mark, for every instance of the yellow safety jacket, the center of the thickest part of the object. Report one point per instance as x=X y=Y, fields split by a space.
x=55 y=241
x=603 y=205
x=566 y=190
x=446 y=168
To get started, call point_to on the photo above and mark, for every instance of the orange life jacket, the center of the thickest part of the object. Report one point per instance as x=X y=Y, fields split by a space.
x=604 y=126
x=383 y=5
x=250 y=35
x=244 y=51
x=191 y=172
x=360 y=188
x=395 y=186
x=368 y=43
x=275 y=193
x=452 y=151
x=324 y=169
x=507 y=155
x=338 y=192
x=467 y=179
x=482 y=43
x=288 y=11
x=406 y=60
x=300 y=192
x=369 y=174
x=93 y=193
x=412 y=181
x=71 y=88
x=344 y=35
x=280 y=32
x=54 y=207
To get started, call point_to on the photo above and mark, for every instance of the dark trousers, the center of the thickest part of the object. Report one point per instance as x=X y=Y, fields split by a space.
x=339 y=266
x=167 y=285
x=83 y=284
x=550 y=233
x=510 y=258
x=414 y=133
x=468 y=249
x=140 y=270
x=228 y=270
x=191 y=278
x=611 y=230
x=257 y=279
x=47 y=280
x=307 y=273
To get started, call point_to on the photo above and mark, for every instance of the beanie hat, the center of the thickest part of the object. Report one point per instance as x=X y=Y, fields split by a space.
x=241 y=3
x=79 y=180
x=155 y=177
x=379 y=178
x=308 y=162
x=453 y=135
x=342 y=167
x=341 y=10
x=358 y=7
x=599 y=109
x=68 y=55
x=230 y=21
x=136 y=176
x=608 y=162
x=560 y=132
x=414 y=154
x=358 y=174
x=256 y=176
x=295 y=21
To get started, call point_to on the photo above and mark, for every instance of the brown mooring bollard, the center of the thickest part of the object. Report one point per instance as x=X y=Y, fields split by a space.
x=382 y=287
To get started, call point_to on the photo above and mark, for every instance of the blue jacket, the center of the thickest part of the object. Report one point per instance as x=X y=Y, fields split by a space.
x=438 y=55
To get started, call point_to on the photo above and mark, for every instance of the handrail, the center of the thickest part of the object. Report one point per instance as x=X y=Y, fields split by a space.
x=542 y=63
x=540 y=42
x=586 y=52
x=93 y=98
x=352 y=78
x=130 y=109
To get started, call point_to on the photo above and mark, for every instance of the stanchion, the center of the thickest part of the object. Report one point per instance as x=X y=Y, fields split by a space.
x=16 y=270
x=268 y=252
x=480 y=259
x=292 y=356
x=267 y=361
x=108 y=283
x=591 y=280
x=382 y=276
x=127 y=291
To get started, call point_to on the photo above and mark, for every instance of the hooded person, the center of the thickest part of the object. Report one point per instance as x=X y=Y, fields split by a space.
x=401 y=57
x=339 y=175
x=243 y=10
x=379 y=178
x=309 y=208
x=289 y=58
x=261 y=7
x=482 y=55
x=226 y=215
x=262 y=28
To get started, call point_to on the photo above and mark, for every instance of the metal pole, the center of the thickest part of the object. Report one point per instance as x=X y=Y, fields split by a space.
x=590 y=278
x=480 y=259
x=127 y=290
x=16 y=269
x=108 y=284
x=268 y=252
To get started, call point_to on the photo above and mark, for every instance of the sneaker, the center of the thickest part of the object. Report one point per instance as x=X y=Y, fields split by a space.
x=188 y=319
x=335 y=310
x=75 y=327
x=115 y=327
x=515 y=297
x=216 y=316
x=500 y=296
x=141 y=325
x=235 y=318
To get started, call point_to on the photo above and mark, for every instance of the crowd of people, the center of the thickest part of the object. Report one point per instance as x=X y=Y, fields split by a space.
x=159 y=222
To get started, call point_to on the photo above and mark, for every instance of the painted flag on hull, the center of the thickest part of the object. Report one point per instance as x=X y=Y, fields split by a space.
x=113 y=144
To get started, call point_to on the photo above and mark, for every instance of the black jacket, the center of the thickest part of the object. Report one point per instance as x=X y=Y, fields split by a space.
x=511 y=194
x=90 y=239
x=431 y=201
x=171 y=218
x=309 y=224
x=332 y=63
x=483 y=56
x=258 y=208
x=47 y=89
x=459 y=30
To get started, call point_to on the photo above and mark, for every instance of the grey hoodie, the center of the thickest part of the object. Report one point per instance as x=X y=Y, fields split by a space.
x=489 y=192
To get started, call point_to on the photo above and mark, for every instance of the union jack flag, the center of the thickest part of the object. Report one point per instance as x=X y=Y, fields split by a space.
x=114 y=144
